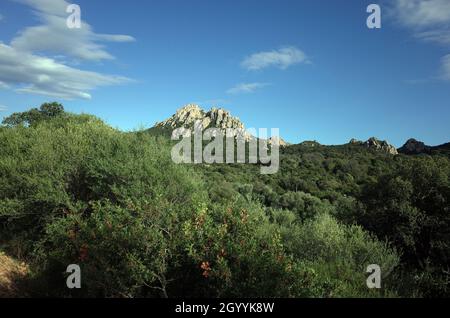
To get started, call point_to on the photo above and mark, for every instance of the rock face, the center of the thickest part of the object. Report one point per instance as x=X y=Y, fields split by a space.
x=191 y=113
x=280 y=141
x=377 y=145
x=188 y=115
x=221 y=118
x=380 y=145
x=414 y=147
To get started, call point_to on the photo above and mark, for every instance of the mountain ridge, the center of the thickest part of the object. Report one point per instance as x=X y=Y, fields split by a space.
x=416 y=147
x=188 y=115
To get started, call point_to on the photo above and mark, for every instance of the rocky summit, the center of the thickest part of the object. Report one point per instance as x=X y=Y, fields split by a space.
x=219 y=118
x=377 y=145
x=413 y=147
x=191 y=113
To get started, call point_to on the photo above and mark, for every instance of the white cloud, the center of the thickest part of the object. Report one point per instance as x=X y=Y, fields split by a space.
x=26 y=68
x=445 y=62
x=429 y=21
x=54 y=7
x=3 y=85
x=54 y=37
x=438 y=36
x=282 y=58
x=246 y=88
x=30 y=73
x=3 y=108
x=422 y=13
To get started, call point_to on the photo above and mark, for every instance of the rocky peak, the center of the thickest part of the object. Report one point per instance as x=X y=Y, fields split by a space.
x=375 y=144
x=355 y=142
x=277 y=139
x=413 y=146
x=189 y=115
x=381 y=145
x=184 y=117
x=221 y=118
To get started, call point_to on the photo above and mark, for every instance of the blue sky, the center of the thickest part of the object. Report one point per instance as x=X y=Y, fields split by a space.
x=311 y=68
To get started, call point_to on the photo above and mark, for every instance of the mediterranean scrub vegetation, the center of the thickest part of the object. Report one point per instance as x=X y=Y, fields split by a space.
x=74 y=190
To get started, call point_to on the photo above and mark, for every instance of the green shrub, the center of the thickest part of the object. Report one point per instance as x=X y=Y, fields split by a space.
x=339 y=254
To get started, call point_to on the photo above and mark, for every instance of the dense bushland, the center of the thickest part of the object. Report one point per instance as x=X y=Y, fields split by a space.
x=402 y=200
x=75 y=191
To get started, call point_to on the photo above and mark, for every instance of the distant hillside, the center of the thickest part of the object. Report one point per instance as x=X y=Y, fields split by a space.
x=415 y=147
x=222 y=119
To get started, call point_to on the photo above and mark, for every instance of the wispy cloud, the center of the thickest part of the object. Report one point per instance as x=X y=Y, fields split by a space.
x=244 y=88
x=54 y=37
x=32 y=62
x=429 y=21
x=422 y=13
x=445 y=62
x=3 y=85
x=3 y=108
x=282 y=58
x=30 y=73
x=437 y=36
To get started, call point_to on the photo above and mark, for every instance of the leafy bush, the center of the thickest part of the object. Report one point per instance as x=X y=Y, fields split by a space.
x=240 y=254
x=339 y=253
x=411 y=208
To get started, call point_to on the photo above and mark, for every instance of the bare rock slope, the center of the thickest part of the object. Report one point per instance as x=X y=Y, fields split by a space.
x=219 y=118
